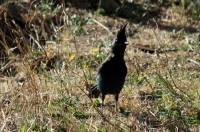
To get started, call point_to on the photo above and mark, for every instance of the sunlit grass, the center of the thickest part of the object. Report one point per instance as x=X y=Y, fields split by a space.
x=161 y=91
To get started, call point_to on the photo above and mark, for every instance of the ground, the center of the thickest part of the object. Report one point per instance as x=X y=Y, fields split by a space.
x=49 y=91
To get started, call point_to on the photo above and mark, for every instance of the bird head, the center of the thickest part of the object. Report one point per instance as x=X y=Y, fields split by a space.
x=120 y=42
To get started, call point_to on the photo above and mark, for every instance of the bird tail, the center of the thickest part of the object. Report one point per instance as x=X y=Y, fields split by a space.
x=94 y=92
x=94 y=87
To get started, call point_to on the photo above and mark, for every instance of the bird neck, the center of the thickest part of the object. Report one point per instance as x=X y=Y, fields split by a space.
x=119 y=55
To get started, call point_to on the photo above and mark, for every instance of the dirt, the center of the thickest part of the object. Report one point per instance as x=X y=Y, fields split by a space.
x=168 y=40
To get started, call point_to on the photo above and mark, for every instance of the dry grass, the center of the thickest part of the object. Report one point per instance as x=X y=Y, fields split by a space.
x=161 y=92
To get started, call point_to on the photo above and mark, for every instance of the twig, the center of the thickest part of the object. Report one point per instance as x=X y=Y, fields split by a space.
x=37 y=43
x=98 y=111
x=4 y=67
x=77 y=54
x=169 y=71
x=87 y=82
x=177 y=86
x=100 y=24
x=193 y=61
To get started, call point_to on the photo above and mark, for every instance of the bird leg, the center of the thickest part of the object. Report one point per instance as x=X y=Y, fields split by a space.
x=103 y=97
x=116 y=100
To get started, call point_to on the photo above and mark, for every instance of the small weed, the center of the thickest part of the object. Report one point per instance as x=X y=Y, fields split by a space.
x=54 y=95
x=96 y=103
x=78 y=22
x=80 y=115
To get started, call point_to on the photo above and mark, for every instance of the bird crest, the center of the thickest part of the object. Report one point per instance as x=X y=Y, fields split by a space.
x=121 y=33
x=120 y=42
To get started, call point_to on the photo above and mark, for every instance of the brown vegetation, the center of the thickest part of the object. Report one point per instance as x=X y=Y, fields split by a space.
x=50 y=54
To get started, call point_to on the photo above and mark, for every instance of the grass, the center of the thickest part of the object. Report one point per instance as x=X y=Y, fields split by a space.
x=161 y=92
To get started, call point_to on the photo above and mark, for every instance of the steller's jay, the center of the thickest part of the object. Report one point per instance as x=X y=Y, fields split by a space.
x=112 y=73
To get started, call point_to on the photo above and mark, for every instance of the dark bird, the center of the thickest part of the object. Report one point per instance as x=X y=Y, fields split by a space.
x=112 y=73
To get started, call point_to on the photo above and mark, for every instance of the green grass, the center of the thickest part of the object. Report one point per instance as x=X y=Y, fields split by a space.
x=161 y=92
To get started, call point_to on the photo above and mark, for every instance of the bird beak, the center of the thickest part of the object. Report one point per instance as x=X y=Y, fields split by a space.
x=126 y=43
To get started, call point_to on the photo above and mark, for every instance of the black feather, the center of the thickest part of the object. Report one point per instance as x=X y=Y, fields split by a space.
x=113 y=71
